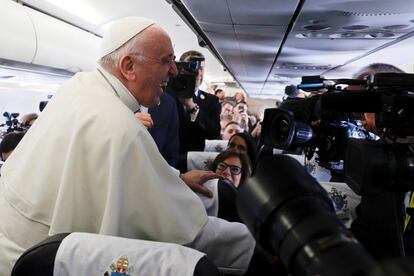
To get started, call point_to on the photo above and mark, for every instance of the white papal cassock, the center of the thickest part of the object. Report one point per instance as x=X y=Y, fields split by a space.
x=88 y=165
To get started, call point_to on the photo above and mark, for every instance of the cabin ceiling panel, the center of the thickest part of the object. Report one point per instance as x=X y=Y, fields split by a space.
x=327 y=34
x=258 y=47
x=224 y=38
x=262 y=12
x=248 y=51
x=211 y=11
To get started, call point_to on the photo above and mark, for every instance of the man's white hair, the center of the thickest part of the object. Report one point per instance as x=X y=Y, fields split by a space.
x=112 y=60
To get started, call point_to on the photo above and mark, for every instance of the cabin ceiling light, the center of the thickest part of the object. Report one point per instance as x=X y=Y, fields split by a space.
x=80 y=8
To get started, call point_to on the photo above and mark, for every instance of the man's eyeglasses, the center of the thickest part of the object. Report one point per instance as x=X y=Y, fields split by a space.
x=233 y=169
x=162 y=61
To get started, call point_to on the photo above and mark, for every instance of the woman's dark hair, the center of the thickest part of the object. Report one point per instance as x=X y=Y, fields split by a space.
x=10 y=141
x=244 y=159
x=251 y=148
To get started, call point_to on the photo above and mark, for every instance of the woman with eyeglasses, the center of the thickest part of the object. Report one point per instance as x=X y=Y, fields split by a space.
x=233 y=165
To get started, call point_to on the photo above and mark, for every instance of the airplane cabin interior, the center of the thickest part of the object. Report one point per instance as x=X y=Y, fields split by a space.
x=323 y=191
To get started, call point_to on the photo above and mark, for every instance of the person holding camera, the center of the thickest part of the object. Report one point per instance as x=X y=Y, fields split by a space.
x=368 y=119
x=219 y=93
x=360 y=228
x=242 y=117
x=199 y=116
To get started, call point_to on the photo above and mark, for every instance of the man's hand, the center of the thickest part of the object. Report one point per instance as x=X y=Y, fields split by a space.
x=242 y=119
x=188 y=103
x=196 y=178
x=145 y=119
x=257 y=130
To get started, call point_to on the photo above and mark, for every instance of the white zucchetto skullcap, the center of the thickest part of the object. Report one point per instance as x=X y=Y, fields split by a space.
x=121 y=31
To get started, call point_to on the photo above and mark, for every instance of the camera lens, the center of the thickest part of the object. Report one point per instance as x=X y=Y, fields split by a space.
x=281 y=130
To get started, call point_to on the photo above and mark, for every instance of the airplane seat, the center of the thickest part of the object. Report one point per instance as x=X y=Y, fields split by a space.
x=39 y=260
x=215 y=145
x=81 y=252
x=200 y=160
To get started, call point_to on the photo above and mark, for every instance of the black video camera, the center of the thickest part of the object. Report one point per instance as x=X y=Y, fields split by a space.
x=380 y=170
x=325 y=123
x=300 y=125
x=12 y=123
x=183 y=85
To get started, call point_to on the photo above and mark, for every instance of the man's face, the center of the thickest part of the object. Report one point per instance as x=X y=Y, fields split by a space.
x=227 y=109
x=200 y=75
x=230 y=130
x=153 y=69
x=220 y=95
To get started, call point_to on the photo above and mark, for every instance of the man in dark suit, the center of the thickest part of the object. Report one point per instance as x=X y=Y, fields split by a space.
x=199 y=116
x=165 y=128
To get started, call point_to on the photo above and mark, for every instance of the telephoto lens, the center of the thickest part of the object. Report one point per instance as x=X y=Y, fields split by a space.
x=290 y=214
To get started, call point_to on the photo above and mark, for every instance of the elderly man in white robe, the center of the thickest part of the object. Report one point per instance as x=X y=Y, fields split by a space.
x=88 y=164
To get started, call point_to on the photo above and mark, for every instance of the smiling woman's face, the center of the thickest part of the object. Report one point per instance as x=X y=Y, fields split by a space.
x=231 y=170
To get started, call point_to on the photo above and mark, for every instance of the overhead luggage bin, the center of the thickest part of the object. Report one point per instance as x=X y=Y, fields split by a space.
x=44 y=40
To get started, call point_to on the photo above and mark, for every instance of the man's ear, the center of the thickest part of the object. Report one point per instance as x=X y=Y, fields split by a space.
x=127 y=68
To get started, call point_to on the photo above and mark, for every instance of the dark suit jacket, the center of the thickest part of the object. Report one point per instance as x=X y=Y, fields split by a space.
x=206 y=125
x=165 y=128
